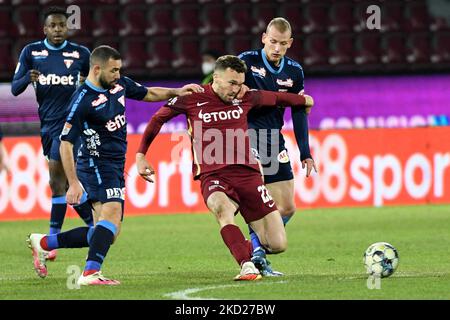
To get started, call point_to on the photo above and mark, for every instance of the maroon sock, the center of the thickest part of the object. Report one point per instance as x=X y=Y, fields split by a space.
x=44 y=243
x=250 y=247
x=235 y=241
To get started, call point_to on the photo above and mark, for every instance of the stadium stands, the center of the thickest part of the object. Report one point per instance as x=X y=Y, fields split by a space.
x=330 y=36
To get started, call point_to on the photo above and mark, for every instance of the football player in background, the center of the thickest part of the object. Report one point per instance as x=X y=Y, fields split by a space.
x=54 y=66
x=270 y=69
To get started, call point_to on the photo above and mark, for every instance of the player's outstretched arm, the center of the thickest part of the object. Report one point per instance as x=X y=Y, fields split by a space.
x=161 y=94
x=265 y=98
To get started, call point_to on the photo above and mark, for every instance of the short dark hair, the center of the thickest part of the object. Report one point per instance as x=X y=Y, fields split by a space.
x=102 y=54
x=54 y=10
x=232 y=62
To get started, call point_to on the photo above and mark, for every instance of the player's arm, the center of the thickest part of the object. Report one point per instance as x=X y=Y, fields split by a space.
x=262 y=98
x=163 y=115
x=69 y=135
x=23 y=75
x=161 y=93
x=301 y=130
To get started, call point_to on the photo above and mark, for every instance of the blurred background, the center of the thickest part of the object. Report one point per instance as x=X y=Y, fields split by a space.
x=396 y=77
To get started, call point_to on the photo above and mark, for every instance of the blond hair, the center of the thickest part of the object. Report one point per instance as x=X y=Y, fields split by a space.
x=281 y=24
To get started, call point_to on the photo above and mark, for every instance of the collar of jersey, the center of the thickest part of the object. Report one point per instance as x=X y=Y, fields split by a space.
x=93 y=87
x=268 y=66
x=49 y=46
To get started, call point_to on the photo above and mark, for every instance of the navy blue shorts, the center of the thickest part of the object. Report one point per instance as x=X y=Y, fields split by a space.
x=50 y=146
x=103 y=182
x=274 y=158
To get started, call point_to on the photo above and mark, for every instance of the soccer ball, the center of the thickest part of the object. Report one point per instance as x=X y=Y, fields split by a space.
x=381 y=259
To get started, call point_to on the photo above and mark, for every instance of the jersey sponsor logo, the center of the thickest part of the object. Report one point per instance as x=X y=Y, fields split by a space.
x=68 y=62
x=283 y=157
x=66 y=129
x=285 y=83
x=258 y=71
x=101 y=99
x=116 y=89
x=54 y=80
x=113 y=193
x=118 y=122
x=43 y=53
x=220 y=115
x=74 y=54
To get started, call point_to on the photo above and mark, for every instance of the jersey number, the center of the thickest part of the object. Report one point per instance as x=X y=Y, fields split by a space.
x=264 y=194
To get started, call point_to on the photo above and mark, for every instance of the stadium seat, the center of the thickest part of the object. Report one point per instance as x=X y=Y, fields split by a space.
x=216 y=43
x=88 y=42
x=293 y=13
x=187 y=59
x=393 y=46
x=316 y=17
x=213 y=20
x=418 y=48
x=52 y=2
x=186 y=20
x=296 y=51
x=417 y=17
x=262 y=14
x=87 y=23
x=107 y=21
x=134 y=21
x=134 y=55
x=316 y=50
x=160 y=51
x=393 y=16
x=342 y=51
x=341 y=17
x=7 y=66
x=238 y=44
x=27 y=21
x=160 y=20
x=441 y=47
x=112 y=41
x=7 y=26
x=367 y=48
x=239 y=19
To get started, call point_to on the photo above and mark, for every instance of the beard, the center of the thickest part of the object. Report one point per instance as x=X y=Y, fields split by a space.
x=107 y=85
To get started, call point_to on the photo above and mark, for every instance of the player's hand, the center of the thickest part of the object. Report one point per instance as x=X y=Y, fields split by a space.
x=309 y=164
x=189 y=89
x=34 y=75
x=242 y=92
x=74 y=193
x=309 y=102
x=145 y=170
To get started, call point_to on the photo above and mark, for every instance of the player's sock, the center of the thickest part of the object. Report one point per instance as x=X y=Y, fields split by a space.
x=84 y=210
x=57 y=214
x=235 y=241
x=102 y=238
x=286 y=219
x=75 y=238
x=255 y=240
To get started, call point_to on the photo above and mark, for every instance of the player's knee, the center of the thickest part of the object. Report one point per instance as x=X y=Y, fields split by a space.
x=287 y=209
x=58 y=186
x=278 y=245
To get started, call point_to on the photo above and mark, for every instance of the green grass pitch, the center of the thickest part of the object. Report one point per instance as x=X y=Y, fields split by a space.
x=183 y=257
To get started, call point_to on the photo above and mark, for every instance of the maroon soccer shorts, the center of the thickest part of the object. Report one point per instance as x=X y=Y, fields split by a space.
x=243 y=185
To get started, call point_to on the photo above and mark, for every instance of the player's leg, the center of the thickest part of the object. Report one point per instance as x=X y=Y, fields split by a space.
x=42 y=244
x=282 y=193
x=271 y=232
x=84 y=208
x=224 y=209
x=103 y=236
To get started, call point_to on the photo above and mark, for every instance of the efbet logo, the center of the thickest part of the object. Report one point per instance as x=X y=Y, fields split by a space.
x=118 y=122
x=220 y=115
x=54 y=80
